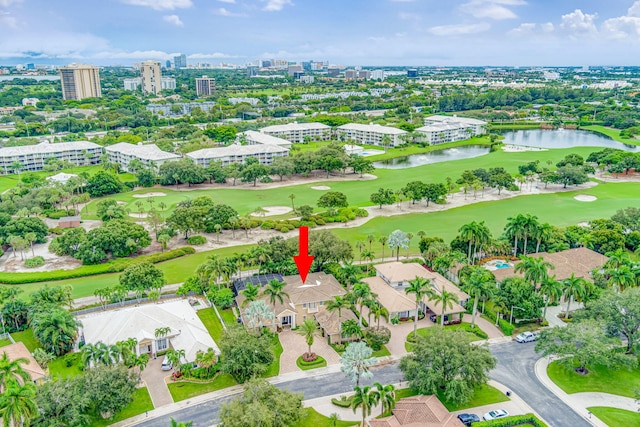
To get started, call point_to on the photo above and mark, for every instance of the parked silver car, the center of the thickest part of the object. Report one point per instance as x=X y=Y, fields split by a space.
x=526 y=337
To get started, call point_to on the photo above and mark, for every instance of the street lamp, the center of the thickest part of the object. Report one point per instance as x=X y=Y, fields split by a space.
x=511 y=318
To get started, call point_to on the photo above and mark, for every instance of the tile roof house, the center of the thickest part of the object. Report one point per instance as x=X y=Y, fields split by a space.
x=19 y=350
x=418 y=411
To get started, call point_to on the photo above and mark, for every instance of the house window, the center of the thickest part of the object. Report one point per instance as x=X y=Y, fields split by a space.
x=304 y=305
x=162 y=344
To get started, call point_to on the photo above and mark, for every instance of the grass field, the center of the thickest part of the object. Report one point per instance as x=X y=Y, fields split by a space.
x=614 y=417
x=274 y=368
x=611 y=133
x=184 y=390
x=212 y=323
x=314 y=419
x=140 y=404
x=27 y=338
x=58 y=368
x=622 y=382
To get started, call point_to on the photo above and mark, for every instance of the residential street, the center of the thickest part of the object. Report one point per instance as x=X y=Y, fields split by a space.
x=515 y=370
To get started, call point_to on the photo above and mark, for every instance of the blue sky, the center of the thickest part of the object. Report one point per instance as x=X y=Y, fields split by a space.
x=350 y=32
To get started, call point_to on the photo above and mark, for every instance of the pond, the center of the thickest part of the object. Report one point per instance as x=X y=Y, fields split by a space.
x=563 y=138
x=437 y=156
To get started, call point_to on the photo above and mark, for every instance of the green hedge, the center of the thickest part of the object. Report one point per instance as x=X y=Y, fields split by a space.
x=36 y=261
x=517 y=420
x=197 y=240
x=476 y=331
x=113 y=266
x=344 y=402
x=506 y=327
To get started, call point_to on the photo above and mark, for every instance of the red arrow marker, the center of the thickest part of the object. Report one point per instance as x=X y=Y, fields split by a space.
x=304 y=261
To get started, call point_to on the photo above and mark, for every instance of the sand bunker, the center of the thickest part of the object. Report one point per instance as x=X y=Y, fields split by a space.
x=139 y=215
x=273 y=210
x=145 y=195
x=321 y=187
x=121 y=203
x=585 y=198
x=508 y=148
x=583 y=224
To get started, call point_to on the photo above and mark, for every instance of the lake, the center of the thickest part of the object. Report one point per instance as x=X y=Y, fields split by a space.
x=437 y=156
x=563 y=138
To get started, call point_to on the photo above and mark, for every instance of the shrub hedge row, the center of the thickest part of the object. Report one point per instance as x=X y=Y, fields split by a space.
x=112 y=266
x=506 y=327
x=343 y=402
x=517 y=420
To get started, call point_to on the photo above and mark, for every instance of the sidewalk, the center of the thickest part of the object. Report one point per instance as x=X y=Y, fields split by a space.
x=552 y=313
x=579 y=402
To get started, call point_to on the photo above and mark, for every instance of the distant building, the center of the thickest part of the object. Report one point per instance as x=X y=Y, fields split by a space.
x=441 y=129
x=250 y=101
x=185 y=108
x=306 y=79
x=33 y=157
x=80 y=81
x=151 y=77
x=69 y=222
x=205 y=86
x=299 y=132
x=61 y=178
x=294 y=69
x=350 y=74
x=412 y=73
x=377 y=75
x=251 y=137
x=180 y=61
x=150 y=155
x=132 y=84
x=167 y=83
x=167 y=64
x=371 y=134
x=236 y=153
x=29 y=102
x=364 y=74
x=333 y=72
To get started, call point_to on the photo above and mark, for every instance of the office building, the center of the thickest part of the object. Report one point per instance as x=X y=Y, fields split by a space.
x=180 y=61
x=80 y=81
x=412 y=73
x=151 y=77
x=132 y=84
x=306 y=79
x=236 y=153
x=167 y=83
x=350 y=74
x=293 y=69
x=33 y=157
x=333 y=71
x=205 y=86
x=150 y=155
x=441 y=129
x=299 y=132
x=167 y=64
x=372 y=134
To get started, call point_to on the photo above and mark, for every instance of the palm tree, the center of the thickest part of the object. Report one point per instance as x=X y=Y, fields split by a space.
x=480 y=283
x=621 y=278
x=421 y=288
x=351 y=328
x=334 y=418
x=17 y=404
x=446 y=299
x=56 y=330
x=617 y=258
x=514 y=229
x=257 y=314
x=349 y=273
x=365 y=398
x=308 y=329
x=409 y=237
x=175 y=357
x=292 y=197
x=338 y=303
x=11 y=371
x=542 y=233
x=552 y=291
x=378 y=311
x=383 y=242
x=90 y=354
x=574 y=288
x=386 y=397
x=360 y=293
x=536 y=270
x=275 y=291
x=370 y=239
x=251 y=293
x=360 y=245
x=175 y=423
x=140 y=362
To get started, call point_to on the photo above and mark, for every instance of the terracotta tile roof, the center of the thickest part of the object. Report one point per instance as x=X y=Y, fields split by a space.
x=418 y=411
x=18 y=350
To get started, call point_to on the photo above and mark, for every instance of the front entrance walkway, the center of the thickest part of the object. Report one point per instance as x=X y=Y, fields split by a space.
x=400 y=332
x=293 y=345
x=154 y=378
x=488 y=327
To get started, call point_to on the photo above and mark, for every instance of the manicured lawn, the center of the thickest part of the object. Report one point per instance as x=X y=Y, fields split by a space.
x=27 y=338
x=428 y=331
x=315 y=419
x=140 y=404
x=182 y=390
x=319 y=363
x=4 y=342
x=600 y=378
x=611 y=133
x=483 y=395
x=274 y=368
x=614 y=417
x=58 y=367
x=384 y=351
x=228 y=317
x=211 y=322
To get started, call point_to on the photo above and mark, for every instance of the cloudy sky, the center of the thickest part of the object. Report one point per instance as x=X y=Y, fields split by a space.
x=350 y=32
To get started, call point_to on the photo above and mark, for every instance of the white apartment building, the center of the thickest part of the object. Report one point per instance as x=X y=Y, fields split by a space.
x=251 y=137
x=33 y=157
x=236 y=153
x=150 y=155
x=371 y=134
x=297 y=132
x=132 y=84
x=167 y=83
x=441 y=129
x=151 y=76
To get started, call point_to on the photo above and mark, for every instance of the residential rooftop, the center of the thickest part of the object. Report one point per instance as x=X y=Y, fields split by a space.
x=263 y=138
x=295 y=127
x=142 y=151
x=372 y=128
x=235 y=150
x=47 y=147
x=454 y=119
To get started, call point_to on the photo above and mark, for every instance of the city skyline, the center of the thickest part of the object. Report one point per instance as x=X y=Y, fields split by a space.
x=374 y=33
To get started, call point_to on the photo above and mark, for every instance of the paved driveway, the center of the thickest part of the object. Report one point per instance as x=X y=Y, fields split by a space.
x=293 y=345
x=154 y=377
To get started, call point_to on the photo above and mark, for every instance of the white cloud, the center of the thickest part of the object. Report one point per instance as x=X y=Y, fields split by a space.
x=50 y=44
x=276 y=5
x=228 y=1
x=7 y=3
x=7 y=20
x=547 y=27
x=624 y=27
x=215 y=55
x=459 y=29
x=579 y=22
x=492 y=9
x=523 y=29
x=634 y=10
x=161 y=4
x=225 y=12
x=173 y=19
x=407 y=16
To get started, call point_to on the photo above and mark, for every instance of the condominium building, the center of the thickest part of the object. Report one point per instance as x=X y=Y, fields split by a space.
x=299 y=132
x=150 y=155
x=33 y=157
x=372 y=134
x=377 y=75
x=132 y=84
x=441 y=129
x=167 y=83
x=205 y=86
x=80 y=81
x=180 y=61
x=185 y=108
x=151 y=77
x=236 y=153
x=251 y=137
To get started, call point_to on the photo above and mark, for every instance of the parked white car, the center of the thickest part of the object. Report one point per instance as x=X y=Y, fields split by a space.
x=166 y=365
x=495 y=414
x=526 y=337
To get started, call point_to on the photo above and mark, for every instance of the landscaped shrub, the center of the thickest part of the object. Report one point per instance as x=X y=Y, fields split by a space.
x=197 y=240
x=57 y=214
x=339 y=348
x=267 y=225
x=56 y=230
x=476 y=331
x=222 y=298
x=517 y=420
x=377 y=337
x=343 y=401
x=36 y=261
x=506 y=327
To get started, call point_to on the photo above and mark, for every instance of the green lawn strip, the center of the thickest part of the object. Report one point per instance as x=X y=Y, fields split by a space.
x=318 y=363
x=314 y=419
x=4 y=343
x=384 y=351
x=622 y=382
x=611 y=133
x=274 y=368
x=228 y=317
x=58 y=368
x=27 y=338
x=182 y=390
x=211 y=322
x=483 y=395
x=614 y=417
x=464 y=326
x=141 y=403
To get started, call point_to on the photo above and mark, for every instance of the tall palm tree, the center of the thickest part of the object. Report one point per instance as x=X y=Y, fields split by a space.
x=542 y=233
x=421 y=288
x=378 y=311
x=11 y=371
x=536 y=270
x=383 y=241
x=514 y=228
x=251 y=293
x=349 y=273
x=362 y=292
x=370 y=239
x=621 y=278
x=338 y=303
x=56 y=330
x=90 y=354
x=364 y=398
x=17 y=404
x=175 y=423
x=274 y=290
x=617 y=258
x=446 y=299
x=386 y=397
x=575 y=288
x=552 y=291
x=479 y=284
x=308 y=329
x=529 y=224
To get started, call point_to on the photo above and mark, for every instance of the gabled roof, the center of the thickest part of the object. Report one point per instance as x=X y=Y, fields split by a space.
x=372 y=128
x=390 y=298
x=141 y=151
x=19 y=350
x=418 y=411
x=330 y=322
x=295 y=127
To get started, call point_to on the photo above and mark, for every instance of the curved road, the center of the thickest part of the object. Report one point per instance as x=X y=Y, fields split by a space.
x=515 y=370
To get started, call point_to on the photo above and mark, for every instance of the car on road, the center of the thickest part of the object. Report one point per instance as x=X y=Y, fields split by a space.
x=526 y=337
x=495 y=414
x=167 y=365
x=467 y=419
x=434 y=318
